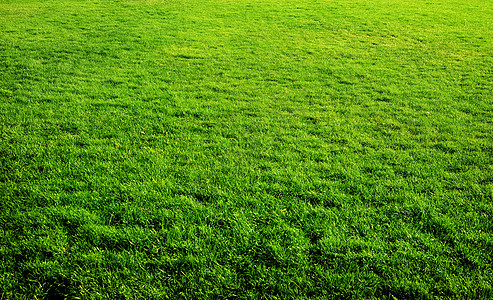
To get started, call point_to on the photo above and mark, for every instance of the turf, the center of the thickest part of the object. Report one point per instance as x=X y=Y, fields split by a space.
x=249 y=149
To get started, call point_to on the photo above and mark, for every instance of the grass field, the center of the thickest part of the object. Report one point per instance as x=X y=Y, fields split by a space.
x=248 y=149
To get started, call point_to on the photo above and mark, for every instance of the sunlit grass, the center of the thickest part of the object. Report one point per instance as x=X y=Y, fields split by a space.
x=246 y=149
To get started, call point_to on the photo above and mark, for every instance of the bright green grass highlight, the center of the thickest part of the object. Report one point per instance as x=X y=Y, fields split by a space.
x=246 y=149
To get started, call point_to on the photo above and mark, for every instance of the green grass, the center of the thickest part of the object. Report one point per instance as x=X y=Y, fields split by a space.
x=246 y=149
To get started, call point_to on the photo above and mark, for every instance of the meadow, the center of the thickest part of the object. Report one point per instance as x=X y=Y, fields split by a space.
x=247 y=149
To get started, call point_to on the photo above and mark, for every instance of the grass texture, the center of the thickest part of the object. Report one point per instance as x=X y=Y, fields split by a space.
x=248 y=149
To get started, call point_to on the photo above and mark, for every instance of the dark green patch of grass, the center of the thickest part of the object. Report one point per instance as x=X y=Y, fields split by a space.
x=246 y=149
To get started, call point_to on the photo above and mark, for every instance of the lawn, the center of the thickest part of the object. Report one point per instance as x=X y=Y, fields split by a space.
x=248 y=149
